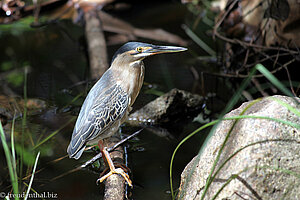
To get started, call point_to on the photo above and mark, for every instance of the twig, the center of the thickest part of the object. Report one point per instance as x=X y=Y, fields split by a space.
x=218 y=24
x=89 y=162
x=289 y=77
x=258 y=86
x=246 y=44
x=247 y=53
x=99 y=155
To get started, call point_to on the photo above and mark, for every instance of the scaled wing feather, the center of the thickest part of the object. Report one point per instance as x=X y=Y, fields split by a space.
x=102 y=109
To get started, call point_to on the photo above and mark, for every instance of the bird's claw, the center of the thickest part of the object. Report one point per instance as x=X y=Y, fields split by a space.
x=119 y=171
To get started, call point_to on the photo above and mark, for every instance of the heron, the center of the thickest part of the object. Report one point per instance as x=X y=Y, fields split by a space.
x=110 y=100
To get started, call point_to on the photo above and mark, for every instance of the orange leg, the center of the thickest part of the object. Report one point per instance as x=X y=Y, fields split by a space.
x=113 y=170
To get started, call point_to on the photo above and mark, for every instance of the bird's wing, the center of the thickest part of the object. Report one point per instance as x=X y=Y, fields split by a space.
x=102 y=109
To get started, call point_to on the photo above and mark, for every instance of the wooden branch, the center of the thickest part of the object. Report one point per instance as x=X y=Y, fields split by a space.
x=96 y=44
x=116 y=25
x=115 y=184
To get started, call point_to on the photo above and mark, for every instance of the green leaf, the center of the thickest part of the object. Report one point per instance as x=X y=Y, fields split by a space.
x=15 y=78
x=5 y=66
x=28 y=157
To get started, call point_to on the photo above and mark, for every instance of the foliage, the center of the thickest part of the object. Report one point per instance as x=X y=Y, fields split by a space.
x=17 y=28
x=19 y=153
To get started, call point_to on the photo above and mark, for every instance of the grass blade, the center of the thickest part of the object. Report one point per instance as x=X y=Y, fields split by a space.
x=288 y=106
x=32 y=176
x=13 y=152
x=53 y=133
x=273 y=79
x=24 y=118
x=201 y=43
x=12 y=173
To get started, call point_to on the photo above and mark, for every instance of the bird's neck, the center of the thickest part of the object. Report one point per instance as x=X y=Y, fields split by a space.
x=130 y=77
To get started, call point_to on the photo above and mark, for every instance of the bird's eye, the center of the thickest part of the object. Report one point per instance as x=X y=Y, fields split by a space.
x=139 y=49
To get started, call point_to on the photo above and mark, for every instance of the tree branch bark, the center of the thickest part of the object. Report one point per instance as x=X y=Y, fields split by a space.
x=96 y=44
x=115 y=184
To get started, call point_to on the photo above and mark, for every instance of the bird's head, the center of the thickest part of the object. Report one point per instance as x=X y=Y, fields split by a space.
x=136 y=51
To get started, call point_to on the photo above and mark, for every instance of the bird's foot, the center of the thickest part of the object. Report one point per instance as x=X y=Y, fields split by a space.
x=119 y=171
x=116 y=165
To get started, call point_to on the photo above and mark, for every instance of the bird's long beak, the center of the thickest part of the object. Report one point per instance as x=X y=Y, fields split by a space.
x=164 y=49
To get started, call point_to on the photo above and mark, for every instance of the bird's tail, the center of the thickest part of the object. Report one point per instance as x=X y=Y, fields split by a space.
x=75 y=154
x=76 y=147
